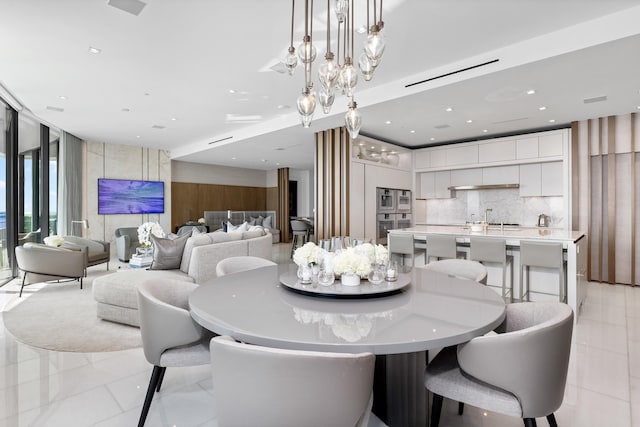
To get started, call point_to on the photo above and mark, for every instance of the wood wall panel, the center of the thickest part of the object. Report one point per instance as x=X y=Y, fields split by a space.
x=190 y=200
x=272 y=198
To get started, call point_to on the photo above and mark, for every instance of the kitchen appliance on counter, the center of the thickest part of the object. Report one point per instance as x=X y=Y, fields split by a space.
x=543 y=220
x=393 y=211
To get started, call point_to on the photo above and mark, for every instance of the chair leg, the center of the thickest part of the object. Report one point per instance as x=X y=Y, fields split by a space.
x=460 y=408
x=530 y=422
x=24 y=277
x=552 y=420
x=163 y=370
x=436 y=408
x=153 y=383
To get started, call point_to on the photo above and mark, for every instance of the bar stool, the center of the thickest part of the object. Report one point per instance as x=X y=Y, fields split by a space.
x=544 y=255
x=441 y=246
x=403 y=244
x=299 y=234
x=489 y=250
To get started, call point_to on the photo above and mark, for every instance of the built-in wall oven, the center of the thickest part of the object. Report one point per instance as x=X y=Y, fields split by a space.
x=403 y=201
x=403 y=220
x=384 y=223
x=386 y=200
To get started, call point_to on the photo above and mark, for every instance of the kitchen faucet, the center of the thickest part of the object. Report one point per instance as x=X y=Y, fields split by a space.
x=485 y=214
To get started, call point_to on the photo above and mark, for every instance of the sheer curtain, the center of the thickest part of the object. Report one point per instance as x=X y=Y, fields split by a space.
x=70 y=186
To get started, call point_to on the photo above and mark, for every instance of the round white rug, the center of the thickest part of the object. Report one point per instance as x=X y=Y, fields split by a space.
x=62 y=317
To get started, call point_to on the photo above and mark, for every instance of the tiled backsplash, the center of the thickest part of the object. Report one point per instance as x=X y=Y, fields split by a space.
x=506 y=204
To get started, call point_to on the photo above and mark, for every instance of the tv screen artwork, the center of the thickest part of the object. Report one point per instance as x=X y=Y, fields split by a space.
x=121 y=196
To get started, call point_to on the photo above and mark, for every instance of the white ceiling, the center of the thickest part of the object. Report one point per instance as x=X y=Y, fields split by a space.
x=179 y=60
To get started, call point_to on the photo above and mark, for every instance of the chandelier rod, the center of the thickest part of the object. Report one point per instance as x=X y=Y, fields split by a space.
x=328 y=26
x=293 y=5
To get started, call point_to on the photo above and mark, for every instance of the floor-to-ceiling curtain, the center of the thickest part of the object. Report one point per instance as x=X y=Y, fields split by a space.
x=70 y=184
x=605 y=202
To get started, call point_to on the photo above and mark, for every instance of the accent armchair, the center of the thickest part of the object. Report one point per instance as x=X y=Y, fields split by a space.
x=126 y=242
x=42 y=263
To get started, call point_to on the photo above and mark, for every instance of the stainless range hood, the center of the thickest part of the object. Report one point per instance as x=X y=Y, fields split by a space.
x=484 y=187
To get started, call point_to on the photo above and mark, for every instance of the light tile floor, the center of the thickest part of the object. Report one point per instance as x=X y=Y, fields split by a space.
x=47 y=388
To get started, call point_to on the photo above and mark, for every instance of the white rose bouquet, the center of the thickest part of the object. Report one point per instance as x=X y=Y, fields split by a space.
x=308 y=254
x=146 y=230
x=375 y=254
x=351 y=261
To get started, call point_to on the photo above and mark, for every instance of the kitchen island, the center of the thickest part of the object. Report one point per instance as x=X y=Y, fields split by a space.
x=574 y=244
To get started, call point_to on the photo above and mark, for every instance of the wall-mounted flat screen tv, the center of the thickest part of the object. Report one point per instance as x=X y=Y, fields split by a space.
x=123 y=196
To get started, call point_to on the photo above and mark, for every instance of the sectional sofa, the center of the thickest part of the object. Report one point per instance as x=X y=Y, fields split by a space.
x=116 y=293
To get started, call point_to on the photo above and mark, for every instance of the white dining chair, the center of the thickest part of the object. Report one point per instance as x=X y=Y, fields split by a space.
x=273 y=387
x=237 y=264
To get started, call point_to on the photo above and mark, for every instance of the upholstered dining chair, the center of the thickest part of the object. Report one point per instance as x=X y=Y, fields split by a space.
x=272 y=387
x=299 y=234
x=520 y=372
x=237 y=264
x=170 y=338
x=461 y=268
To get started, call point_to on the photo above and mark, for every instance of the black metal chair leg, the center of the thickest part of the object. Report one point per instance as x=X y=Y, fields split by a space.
x=163 y=369
x=24 y=277
x=530 y=422
x=460 y=408
x=436 y=408
x=153 y=382
x=552 y=420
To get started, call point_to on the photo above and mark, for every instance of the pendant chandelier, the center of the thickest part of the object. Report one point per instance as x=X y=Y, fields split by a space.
x=337 y=71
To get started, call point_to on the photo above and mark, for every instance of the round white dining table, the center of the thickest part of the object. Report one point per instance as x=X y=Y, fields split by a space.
x=433 y=311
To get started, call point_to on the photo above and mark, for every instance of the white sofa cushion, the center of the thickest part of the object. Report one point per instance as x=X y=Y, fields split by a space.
x=192 y=242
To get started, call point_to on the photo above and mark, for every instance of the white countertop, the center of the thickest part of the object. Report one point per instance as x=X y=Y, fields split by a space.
x=512 y=234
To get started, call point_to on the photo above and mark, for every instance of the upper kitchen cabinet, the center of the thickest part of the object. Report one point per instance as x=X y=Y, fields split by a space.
x=541 y=179
x=435 y=185
x=550 y=145
x=497 y=151
x=500 y=175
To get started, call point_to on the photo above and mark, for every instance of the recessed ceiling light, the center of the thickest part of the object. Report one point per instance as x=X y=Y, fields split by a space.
x=449 y=109
x=552 y=120
x=412 y=131
x=173 y=119
x=62 y=97
x=531 y=92
x=264 y=160
x=232 y=91
x=388 y=122
x=485 y=130
x=542 y=108
x=362 y=143
x=432 y=139
x=638 y=107
x=278 y=164
x=373 y=147
x=383 y=149
x=394 y=152
x=137 y=136
x=94 y=50
x=233 y=158
x=469 y=121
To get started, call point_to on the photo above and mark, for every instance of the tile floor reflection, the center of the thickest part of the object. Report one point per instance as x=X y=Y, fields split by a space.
x=48 y=388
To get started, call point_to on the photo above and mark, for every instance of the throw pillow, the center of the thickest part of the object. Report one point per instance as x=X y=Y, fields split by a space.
x=53 y=241
x=267 y=222
x=194 y=241
x=237 y=228
x=256 y=221
x=167 y=253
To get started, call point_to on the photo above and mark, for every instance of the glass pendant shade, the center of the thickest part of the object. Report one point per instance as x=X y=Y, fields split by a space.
x=306 y=106
x=326 y=100
x=348 y=78
x=375 y=44
x=306 y=51
x=366 y=67
x=328 y=73
x=291 y=60
x=352 y=120
x=341 y=7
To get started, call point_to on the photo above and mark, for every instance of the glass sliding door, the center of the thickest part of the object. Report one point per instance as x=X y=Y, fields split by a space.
x=6 y=272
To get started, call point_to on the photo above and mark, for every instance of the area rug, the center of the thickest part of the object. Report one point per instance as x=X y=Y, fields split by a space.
x=62 y=317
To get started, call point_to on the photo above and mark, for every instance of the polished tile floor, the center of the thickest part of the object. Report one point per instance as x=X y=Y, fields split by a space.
x=47 y=388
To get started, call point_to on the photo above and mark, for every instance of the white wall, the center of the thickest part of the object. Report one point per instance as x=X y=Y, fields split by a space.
x=123 y=162
x=216 y=174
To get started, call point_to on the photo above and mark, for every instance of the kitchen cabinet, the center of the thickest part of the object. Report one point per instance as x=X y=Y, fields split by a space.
x=464 y=155
x=497 y=151
x=500 y=175
x=422 y=159
x=550 y=145
x=439 y=158
x=527 y=148
x=541 y=179
x=461 y=177
x=435 y=185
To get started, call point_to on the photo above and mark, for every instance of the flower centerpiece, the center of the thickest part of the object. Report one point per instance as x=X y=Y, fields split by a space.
x=146 y=230
x=353 y=264
x=307 y=258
